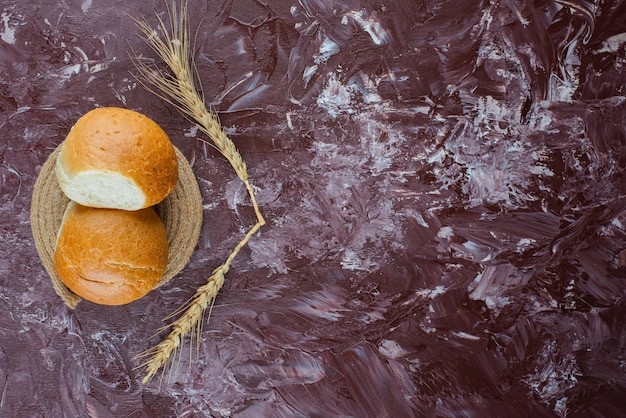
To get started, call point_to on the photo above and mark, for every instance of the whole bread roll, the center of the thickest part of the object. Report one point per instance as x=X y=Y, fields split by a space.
x=117 y=158
x=110 y=256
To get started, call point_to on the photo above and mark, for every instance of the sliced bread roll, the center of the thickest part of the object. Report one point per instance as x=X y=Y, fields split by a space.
x=110 y=256
x=117 y=158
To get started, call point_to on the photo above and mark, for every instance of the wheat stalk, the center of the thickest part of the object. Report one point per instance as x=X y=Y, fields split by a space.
x=178 y=88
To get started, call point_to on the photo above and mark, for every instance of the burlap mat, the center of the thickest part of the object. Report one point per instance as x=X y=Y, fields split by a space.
x=181 y=213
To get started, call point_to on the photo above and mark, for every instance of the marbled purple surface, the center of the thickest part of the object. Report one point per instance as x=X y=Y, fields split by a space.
x=445 y=189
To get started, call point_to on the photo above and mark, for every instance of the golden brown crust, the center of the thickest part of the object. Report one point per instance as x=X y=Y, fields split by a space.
x=110 y=256
x=125 y=142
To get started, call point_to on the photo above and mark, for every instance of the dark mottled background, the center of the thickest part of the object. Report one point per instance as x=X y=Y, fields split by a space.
x=445 y=189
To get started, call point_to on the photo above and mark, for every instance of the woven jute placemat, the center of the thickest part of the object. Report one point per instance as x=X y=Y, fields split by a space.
x=181 y=212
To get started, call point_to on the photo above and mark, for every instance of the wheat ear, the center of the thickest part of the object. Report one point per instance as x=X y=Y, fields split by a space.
x=178 y=88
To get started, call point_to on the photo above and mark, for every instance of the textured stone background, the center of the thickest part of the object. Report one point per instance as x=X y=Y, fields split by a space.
x=444 y=184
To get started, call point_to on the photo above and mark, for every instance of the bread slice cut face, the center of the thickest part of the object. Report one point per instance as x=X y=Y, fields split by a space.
x=101 y=189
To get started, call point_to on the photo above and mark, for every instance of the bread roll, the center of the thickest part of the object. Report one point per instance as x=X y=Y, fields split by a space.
x=110 y=256
x=117 y=158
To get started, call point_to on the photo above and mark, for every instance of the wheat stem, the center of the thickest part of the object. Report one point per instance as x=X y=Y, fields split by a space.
x=178 y=88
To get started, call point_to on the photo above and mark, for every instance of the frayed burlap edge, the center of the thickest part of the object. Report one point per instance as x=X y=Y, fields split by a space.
x=181 y=212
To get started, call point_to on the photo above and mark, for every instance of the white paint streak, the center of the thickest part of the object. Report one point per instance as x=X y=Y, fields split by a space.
x=445 y=233
x=613 y=43
x=328 y=48
x=369 y=24
x=193 y=132
x=335 y=98
x=391 y=349
x=86 y=5
x=354 y=262
x=308 y=73
x=7 y=33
